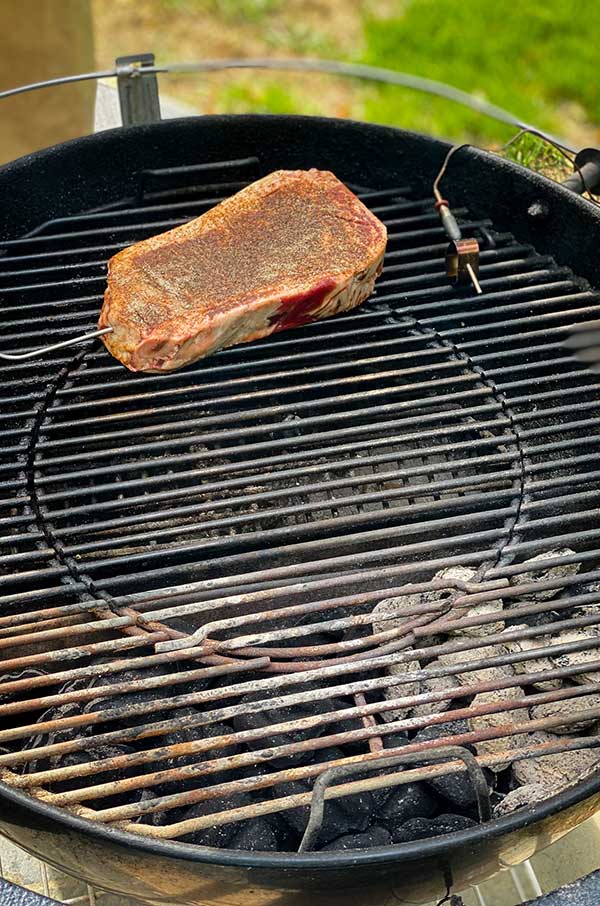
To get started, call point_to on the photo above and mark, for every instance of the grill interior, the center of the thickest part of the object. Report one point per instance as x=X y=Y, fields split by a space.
x=263 y=502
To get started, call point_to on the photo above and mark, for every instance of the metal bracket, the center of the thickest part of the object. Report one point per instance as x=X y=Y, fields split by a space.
x=445 y=753
x=138 y=90
x=462 y=263
x=586 y=176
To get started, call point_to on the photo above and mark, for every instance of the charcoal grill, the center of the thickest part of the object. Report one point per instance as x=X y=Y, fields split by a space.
x=210 y=522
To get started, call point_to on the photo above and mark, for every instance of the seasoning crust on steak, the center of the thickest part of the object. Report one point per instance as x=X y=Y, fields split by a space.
x=291 y=248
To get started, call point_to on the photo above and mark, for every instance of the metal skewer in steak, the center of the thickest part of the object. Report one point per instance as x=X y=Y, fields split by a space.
x=294 y=247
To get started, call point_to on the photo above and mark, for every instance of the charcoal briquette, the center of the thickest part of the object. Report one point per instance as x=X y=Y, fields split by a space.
x=341 y=816
x=185 y=734
x=457 y=788
x=218 y=835
x=421 y=828
x=257 y=835
x=374 y=836
x=254 y=720
x=411 y=800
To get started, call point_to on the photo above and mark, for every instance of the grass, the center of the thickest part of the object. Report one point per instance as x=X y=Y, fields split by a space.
x=538 y=155
x=231 y=11
x=533 y=58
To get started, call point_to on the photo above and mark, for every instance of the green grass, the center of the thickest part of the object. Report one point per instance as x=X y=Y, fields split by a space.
x=531 y=152
x=261 y=97
x=528 y=57
x=231 y=11
x=534 y=58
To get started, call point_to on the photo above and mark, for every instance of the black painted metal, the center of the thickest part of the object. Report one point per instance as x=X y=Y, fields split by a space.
x=497 y=408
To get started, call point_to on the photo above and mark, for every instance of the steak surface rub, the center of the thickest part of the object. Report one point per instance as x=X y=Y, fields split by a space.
x=291 y=248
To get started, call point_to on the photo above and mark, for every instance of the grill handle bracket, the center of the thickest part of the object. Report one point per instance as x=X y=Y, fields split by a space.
x=138 y=90
x=586 y=175
x=445 y=753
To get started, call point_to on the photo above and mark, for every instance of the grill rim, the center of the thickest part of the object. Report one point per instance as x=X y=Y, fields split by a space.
x=469 y=184
x=426 y=848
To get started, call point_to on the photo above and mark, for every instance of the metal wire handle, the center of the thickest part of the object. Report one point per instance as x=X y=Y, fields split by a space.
x=325 y=780
x=138 y=106
x=362 y=71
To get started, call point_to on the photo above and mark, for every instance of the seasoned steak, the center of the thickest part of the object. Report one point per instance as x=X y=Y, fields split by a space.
x=294 y=247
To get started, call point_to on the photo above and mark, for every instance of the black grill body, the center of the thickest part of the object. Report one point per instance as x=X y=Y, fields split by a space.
x=540 y=249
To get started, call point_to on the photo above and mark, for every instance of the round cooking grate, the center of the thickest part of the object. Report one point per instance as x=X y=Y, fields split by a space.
x=298 y=447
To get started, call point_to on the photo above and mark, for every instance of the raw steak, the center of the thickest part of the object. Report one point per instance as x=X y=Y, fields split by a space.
x=291 y=248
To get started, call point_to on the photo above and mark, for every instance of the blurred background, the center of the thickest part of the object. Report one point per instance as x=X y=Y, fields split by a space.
x=536 y=58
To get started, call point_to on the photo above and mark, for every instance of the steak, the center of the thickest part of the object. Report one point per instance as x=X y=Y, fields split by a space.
x=291 y=248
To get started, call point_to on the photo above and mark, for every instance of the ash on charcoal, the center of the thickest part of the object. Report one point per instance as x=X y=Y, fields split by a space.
x=189 y=686
x=393 y=613
x=402 y=690
x=588 y=588
x=484 y=722
x=569 y=708
x=124 y=702
x=93 y=753
x=522 y=797
x=553 y=771
x=420 y=828
x=29 y=673
x=536 y=572
x=253 y=720
x=311 y=639
x=395 y=740
x=374 y=836
x=257 y=835
x=84 y=756
x=218 y=835
x=44 y=739
x=529 y=664
x=488 y=674
x=186 y=734
x=580 y=658
x=465 y=574
x=435 y=684
x=348 y=814
x=399 y=608
x=154 y=819
x=410 y=800
x=456 y=788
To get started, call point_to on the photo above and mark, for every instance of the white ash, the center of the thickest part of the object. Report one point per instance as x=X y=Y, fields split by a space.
x=522 y=797
x=569 y=708
x=590 y=588
x=580 y=658
x=390 y=613
x=533 y=665
x=400 y=690
x=483 y=675
x=538 y=574
x=483 y=722
x=465 y=574
x=435 y=684
x=554 y=772
x=399 y=608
